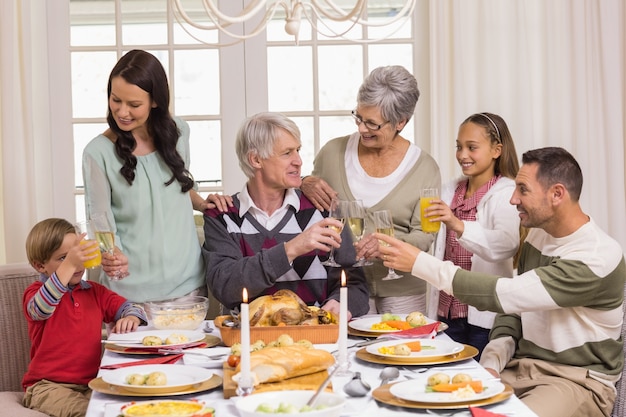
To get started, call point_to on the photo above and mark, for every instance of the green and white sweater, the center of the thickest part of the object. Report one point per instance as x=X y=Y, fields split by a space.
x=565 y=306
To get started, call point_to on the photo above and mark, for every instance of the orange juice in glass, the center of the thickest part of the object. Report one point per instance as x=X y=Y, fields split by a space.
x=90 y=237
x=426 y=196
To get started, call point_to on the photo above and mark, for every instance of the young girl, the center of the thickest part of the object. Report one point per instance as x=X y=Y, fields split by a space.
x=479 y=227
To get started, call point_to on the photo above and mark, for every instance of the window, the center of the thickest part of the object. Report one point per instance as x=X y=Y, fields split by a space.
x=214 y=89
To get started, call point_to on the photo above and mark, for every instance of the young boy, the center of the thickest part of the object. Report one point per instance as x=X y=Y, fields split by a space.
x=65 y=316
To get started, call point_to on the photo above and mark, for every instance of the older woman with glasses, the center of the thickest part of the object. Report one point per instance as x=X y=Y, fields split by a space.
x=386 y=171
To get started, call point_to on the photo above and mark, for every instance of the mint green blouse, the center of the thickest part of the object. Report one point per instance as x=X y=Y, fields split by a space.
x=153 y=223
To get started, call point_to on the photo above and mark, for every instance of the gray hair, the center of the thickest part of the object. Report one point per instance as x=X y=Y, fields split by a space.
x=258 y=134
x=393 y=90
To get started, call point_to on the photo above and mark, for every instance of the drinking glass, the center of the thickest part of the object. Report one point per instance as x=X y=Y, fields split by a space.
x=339 y=211
x=106 y=238
x=87 y=227
x=426 y=196
x=384 y=225
x=356 y=221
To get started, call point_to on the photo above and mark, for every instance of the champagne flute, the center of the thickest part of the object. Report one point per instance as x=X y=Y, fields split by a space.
x=106 y=238
x=339 y=211
x=384 y=225
x=356 y=221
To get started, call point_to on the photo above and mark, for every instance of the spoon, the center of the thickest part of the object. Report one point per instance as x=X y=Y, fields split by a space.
x=388 y=374
x=356 y=387
x=321 y=388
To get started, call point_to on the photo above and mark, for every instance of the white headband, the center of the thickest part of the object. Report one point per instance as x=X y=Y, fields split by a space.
x=494 y=125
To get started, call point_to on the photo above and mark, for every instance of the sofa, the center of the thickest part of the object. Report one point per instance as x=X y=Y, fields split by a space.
x=15 y=353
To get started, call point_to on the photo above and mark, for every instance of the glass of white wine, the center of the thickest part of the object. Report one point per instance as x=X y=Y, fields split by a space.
x=106 y=238
x=356 y=221
x=384 y=225
x=339 y=211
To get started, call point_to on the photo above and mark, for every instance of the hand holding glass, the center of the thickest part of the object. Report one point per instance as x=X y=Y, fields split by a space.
x=356 y=221
x=106 y=239
x=384 y=225
x=87 y=227
x=426 y=196
x=339 y=211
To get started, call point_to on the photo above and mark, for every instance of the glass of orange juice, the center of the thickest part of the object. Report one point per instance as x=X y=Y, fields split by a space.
x=426 y=196
x=87 y=227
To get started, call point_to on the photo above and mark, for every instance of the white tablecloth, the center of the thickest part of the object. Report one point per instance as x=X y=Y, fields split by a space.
x=104 y=405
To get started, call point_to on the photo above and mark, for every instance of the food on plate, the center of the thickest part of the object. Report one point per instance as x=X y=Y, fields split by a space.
x=233 y=360
x=280 y=363
x=441 y=382
x=393 y=322
x=460 y=378
x=416 y=319
x=151 y=341
x=464 y=393
x=437 y=379
x=476 y=385
x=176 y=339
x=286 y=408
x=155 y=378
x=285 y=308
x=167 y=408
x=136 y=379
x=401 y=349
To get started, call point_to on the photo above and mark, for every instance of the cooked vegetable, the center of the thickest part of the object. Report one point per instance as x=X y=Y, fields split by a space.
x=476 y=385
x=460 y=378
x=233 y=360
x=390 y=317
x=438 y=378
x=415 y=346
x=401 y=350
x=398 y=324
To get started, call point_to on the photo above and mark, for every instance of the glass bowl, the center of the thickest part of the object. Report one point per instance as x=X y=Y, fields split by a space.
x=185 y=313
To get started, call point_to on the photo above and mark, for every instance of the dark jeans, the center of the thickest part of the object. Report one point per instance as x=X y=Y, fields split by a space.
x=461 y=331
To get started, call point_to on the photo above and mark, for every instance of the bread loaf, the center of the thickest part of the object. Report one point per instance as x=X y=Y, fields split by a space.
x=280 y=363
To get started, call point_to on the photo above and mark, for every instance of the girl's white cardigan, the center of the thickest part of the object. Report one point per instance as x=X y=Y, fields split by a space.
x=493 y=239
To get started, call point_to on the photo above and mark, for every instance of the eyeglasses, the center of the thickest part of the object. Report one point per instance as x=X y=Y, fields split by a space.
x=371 y=126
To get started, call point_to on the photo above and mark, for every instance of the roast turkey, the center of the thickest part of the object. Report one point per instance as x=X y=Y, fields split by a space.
x=282 y=307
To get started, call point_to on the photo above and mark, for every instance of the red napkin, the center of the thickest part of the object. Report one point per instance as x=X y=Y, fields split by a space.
x=147 y=349
x=479 y=412
x=427 y=331
x=162 y=360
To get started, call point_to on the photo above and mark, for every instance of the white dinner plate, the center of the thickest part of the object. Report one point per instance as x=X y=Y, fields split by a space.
x=365 y=324
x=415 y=390
x=133 y=339
x=179 y=377
x=430 y=348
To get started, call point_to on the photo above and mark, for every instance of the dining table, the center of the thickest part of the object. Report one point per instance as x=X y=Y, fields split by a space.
x=377 y=402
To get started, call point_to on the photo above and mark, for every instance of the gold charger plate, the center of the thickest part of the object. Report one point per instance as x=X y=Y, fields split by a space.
x=210 y=341
x=467 y=353
x=384 y=395
x=97 y=384
x=360 y=333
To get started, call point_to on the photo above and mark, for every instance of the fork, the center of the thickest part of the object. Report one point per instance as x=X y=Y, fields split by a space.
x=422 y=370
x=177 y=351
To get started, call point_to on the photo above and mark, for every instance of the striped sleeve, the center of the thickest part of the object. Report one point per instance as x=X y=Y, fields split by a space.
x=43 y=304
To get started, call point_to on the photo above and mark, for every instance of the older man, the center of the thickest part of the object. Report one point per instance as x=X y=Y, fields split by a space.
x=272 y=237
x=557 y=340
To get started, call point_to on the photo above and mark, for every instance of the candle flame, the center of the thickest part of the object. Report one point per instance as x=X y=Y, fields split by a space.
x=244 y=295
x=343 y=278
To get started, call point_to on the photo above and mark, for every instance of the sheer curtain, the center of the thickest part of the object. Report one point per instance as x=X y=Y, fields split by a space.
x=36 y=160
x=554 y=70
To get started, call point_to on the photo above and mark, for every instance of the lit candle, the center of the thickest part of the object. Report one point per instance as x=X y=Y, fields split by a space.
x=245 y=380
x=343 y=321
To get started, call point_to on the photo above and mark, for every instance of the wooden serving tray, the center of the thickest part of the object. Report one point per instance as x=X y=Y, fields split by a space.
x=304 y=382
x=322 y=333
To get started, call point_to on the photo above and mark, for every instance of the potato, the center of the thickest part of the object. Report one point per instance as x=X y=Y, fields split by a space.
x=459 y=378
x=402 y=350
x=176 y=339
x=258 y=345
x=416 y=319
x=156 y=378
x=151 y=341
x=438 y=378
x=284 y=340
x=235 y=349
x=135 y=379
x=305 y=342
